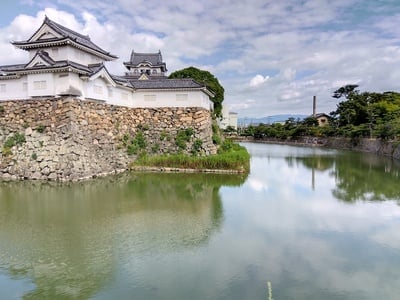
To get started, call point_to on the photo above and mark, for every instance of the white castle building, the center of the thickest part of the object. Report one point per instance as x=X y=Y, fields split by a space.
x=63 y=62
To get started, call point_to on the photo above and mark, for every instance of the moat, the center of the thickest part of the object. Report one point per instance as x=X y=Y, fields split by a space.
x=306 y=223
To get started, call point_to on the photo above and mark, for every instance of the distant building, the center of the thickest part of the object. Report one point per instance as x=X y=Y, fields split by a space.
x=228 y=119
x=63 y=62
x=323 y=119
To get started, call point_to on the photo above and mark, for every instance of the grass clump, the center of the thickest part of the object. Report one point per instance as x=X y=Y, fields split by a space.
x=183 y=137
x=196 y=147
x=230 y=157
x=14 y=140
x=137 y=144
x=41 y=128
x=164 y=136
x=34 y=156
x=216 y=136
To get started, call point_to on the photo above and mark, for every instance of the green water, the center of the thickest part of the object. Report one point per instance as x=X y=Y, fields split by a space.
x=304 y=224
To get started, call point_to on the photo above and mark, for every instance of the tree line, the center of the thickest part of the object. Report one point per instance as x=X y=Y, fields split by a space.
x=359 y=114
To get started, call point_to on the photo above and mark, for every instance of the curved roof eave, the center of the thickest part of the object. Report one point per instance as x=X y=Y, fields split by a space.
x=60 y=42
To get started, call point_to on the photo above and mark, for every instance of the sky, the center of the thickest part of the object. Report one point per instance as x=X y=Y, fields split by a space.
x=271 y=57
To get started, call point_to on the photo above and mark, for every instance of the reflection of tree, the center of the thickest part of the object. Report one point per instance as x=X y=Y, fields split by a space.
x=316 y=162
x=359 y=176
x=366 y=177
x=64 y=237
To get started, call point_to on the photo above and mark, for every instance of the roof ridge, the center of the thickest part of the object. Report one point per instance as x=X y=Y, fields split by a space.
x=46 y=57
x=147 y=53
x=58 y=26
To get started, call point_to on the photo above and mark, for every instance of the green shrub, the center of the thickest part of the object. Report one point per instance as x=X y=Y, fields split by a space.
x=183 y=137
x=144 y=127
x=40 y=128
x=163 y=135
x=34 y=156
x=155 y=148
x=2 y=109
x=216 y=139
x=132 y=149
x=125 y=139
x=215 y=128
x=6 y=151
x=226 y=145
x=140 y=140
x=16 y=139
x=196 y=147
x=137 y=143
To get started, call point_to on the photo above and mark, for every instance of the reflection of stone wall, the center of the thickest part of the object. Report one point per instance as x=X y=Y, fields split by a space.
x=70 y=238
x=376 y=146
x=69 y=139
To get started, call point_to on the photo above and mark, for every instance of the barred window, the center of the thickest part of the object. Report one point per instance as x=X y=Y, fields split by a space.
x=40 y=85
x=98 y=89
x=182 y=97
x=150 y=98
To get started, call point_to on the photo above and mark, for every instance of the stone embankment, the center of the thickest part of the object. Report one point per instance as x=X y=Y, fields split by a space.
x=71 y=139
x=376 y=146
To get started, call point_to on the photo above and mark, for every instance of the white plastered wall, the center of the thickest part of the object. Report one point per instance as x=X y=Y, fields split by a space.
x=68 y=53
x=176 y=98
x=11 y=89
x=67 y=83
x=41 y=85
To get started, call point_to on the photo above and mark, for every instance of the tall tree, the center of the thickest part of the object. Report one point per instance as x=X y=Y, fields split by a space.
x=209 y=80
x=345 y=91
x=368 y=114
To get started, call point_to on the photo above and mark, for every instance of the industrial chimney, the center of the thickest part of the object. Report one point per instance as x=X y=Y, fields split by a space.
x=314 y=108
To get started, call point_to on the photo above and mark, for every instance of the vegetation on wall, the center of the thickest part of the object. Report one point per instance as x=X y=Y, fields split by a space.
x=209 y=80
x=14 y=140
x=134 y=145
x=183 y=137
x=139 y=145
x=216 y=134
x=359 y=114
x=231 y=156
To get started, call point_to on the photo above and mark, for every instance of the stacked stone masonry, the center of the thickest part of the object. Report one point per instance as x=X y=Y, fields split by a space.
x=71 y=139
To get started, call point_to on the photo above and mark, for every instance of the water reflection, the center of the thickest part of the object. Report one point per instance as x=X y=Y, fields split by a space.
x=358 y=176
x=314 y=246
x=207 y=237
x=366 y=177
x=66 y=238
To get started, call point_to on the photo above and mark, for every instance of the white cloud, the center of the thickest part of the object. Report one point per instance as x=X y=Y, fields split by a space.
x=258 y=80
x=257 y=185
x=297 y=49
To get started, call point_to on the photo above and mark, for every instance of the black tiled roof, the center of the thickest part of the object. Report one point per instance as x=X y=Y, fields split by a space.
x=67 y=34
x=155 y=59
x=62 y=64
x=44 y=56
x=95 y=67
x=165 y=84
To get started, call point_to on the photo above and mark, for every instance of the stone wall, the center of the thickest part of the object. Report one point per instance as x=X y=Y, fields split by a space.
x=376 y=146
x=71 y=139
